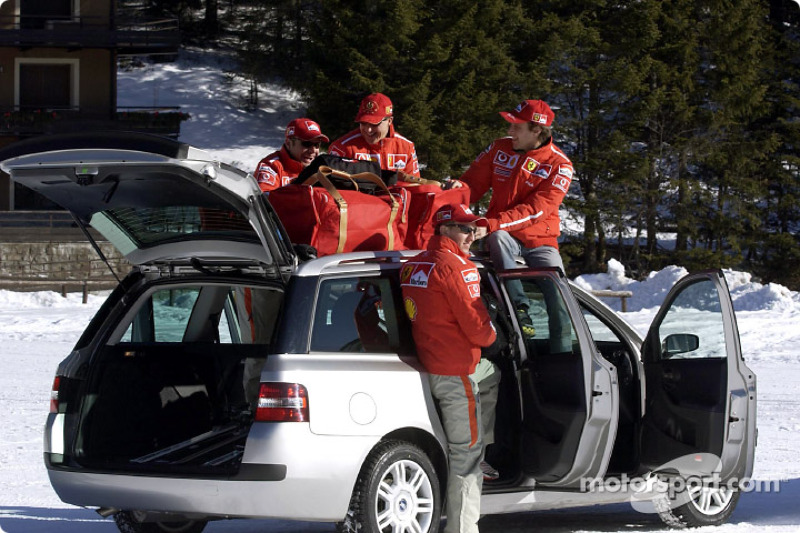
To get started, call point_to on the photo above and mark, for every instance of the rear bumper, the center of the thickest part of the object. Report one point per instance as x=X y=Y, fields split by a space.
x=320 y=472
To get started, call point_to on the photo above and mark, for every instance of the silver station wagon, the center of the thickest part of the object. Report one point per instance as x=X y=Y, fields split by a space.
x=229 y=375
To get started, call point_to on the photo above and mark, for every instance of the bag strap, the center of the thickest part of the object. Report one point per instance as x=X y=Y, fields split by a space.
x=372 y=178
x=325 y=172
x=321 y=176
x=341 y=203
x=411 y=178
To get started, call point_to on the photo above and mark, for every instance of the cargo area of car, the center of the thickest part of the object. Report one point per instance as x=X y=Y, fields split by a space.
x=169 y=407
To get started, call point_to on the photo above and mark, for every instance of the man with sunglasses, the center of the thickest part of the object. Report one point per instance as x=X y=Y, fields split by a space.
x=375 y=139
x=450 y=324
x=302 y=142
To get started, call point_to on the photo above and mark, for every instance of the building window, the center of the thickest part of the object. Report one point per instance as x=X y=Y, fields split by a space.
x=46 y=84
x=35 y=14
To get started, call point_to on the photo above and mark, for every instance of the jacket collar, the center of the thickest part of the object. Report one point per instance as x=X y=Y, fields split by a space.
x=291 y=165
x=440 y=242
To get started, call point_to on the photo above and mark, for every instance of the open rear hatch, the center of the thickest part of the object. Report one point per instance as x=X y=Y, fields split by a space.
x=138 y=398
x=154 y=199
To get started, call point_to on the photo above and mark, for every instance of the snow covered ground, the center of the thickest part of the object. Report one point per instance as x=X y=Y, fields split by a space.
x=38 y=329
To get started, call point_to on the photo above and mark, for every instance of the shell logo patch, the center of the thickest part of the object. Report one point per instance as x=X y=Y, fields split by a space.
x=411 y=308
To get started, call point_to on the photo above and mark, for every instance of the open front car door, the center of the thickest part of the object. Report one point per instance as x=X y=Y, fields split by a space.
x=699 y=422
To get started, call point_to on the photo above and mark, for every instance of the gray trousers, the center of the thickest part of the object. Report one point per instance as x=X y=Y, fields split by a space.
x=461 y=417
x=502 y=249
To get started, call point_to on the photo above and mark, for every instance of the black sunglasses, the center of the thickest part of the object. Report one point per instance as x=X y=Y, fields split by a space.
x=463 y=228
x=308 y=144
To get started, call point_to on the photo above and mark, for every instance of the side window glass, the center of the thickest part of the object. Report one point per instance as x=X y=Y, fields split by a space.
x=542 y=316
x=164 y=318
x=355 y=315
x=599 y=330
x=212 y=313
x=693 y=326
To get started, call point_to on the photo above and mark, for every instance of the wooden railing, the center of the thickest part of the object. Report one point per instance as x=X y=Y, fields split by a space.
x=622 y=295
x=127 y=35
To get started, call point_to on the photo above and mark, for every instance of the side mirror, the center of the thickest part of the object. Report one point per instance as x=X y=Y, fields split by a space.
x=679 y=343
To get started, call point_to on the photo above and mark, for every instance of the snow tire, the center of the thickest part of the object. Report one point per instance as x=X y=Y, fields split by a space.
x=397 y=491
x=697 y=506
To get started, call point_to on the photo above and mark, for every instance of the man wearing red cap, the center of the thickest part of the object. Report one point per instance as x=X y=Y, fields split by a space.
x=375 y=138
x=529 y=176
x=450 y=324
x=303 y=138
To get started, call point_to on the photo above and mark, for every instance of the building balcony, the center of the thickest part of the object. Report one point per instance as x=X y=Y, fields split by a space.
x=22 y=123
x=129 y=36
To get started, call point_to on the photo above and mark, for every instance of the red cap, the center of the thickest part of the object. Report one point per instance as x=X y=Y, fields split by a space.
x=457 y=214
x=305 y=129
x=374 y=108
x=536 y=111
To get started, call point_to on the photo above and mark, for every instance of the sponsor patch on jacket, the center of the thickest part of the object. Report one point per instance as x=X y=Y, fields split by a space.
x=470 y=275
x=267 y=174
x=411 y=308
x=474 y=290
x=504 y=160
x=562 y=179
x=543 y=171
x=397 y=161
x=416 y=274
x=368 y=157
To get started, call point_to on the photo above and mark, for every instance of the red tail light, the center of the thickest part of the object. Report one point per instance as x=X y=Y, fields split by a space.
x=282 y=402
x=54 y=394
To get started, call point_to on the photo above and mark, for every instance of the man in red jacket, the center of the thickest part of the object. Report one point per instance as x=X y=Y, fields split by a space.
x=529 y=177
x=450 y=324
x=303 y=138
x=375 y=139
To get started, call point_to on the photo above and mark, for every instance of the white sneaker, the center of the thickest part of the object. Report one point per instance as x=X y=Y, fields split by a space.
x=489 y=472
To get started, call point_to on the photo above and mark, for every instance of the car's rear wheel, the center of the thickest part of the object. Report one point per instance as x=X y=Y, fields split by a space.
x=397 y=491
x=698 y=505
x=133 y=522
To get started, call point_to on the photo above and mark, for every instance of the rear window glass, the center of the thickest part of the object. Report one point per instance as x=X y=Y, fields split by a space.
x=129 y=228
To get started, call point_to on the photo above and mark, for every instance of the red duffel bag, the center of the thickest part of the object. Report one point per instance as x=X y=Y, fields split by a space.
x=425 y=198
x=338 y=220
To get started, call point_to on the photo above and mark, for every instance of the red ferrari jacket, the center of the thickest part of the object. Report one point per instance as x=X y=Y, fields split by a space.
x=277 y=170
x=394 y=152
x=527 y=190
x=442 y=297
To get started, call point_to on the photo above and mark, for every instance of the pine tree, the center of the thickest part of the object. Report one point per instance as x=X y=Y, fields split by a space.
x=778 y=250
x=590 y=68
x=734 y=91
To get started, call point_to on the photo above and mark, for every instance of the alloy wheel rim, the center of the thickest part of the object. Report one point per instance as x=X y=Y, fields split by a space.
x=405 y=500
x=710 y=500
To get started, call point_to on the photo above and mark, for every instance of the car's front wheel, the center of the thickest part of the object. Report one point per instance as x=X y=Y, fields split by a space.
x=397 y=491
x=133 y=522
x=698 y=505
